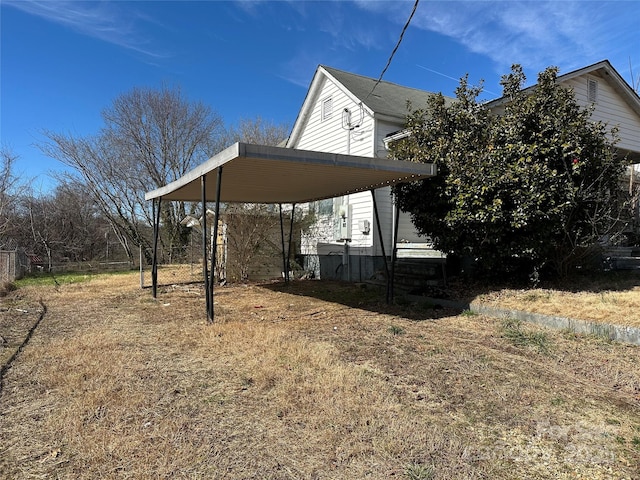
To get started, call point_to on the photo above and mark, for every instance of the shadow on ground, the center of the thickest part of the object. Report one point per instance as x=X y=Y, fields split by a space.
x=367 y=297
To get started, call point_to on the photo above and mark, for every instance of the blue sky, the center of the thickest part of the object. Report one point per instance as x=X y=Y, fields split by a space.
x=63 y=62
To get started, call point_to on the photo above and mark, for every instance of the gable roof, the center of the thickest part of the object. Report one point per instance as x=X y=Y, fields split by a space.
x=387 y=99
x=606 y=71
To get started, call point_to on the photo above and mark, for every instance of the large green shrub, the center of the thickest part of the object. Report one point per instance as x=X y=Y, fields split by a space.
x=532 y=187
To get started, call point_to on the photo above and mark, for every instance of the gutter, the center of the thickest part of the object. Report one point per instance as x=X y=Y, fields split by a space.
x=394 y=137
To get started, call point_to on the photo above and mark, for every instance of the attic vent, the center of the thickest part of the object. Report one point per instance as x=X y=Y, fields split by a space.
x=327 y=106
x=592 y=91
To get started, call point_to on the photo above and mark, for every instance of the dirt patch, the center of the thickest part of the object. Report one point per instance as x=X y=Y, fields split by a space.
x=18 y=315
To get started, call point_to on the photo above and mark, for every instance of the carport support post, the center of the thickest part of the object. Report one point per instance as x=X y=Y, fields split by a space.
x=293 y=211
x=384 y=255
x=203 y=225
x=285 y=273
x=286 y=256
x=215 y=244
x=141 y=267
x=156 y=234
x=394 y=247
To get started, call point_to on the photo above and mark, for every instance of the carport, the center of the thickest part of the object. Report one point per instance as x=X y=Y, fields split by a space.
x=276 y=175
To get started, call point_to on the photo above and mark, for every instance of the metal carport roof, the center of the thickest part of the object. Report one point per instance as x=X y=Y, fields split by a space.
x=265 y=174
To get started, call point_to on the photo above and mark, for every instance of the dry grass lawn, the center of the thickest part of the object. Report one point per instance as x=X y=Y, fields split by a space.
x=314 y=380
x=614 y=299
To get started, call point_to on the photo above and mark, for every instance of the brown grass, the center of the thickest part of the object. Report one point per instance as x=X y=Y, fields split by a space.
x=607 y=306
x=291 y=385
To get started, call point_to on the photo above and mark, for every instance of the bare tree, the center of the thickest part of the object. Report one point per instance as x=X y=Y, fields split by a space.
x=42 y=224
x=253 y=232
x=61 y=224
x=150 y=138
x=79 y=227
x=10 y=189
x=257 y=131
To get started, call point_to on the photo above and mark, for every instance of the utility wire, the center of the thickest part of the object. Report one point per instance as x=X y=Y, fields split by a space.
x=395 y=49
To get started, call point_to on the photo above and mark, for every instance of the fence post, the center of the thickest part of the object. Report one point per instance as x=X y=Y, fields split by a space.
x=141 y=268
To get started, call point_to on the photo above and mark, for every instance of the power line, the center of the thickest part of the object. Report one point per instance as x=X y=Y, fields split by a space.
x=395 y=49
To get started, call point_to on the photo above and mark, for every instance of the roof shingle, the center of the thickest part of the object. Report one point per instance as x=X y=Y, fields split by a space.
x=387 y=98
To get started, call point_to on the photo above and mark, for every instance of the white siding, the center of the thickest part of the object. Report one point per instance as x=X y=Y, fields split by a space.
x=383 y=129
x=366 y=140
x=331 y=135
x=362 y=205
x=406 y=231
x=611 y=109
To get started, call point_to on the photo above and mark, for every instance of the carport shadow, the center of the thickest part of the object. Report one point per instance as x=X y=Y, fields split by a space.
x=433 y=303
x=370 y=297
x=465 y=290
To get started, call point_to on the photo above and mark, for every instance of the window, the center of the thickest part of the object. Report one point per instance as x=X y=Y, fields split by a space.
x=592 y=91
x=324 y=207
x=327 y=105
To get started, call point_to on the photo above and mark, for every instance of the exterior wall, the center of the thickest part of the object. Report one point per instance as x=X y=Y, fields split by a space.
x=384 y=199
x=383 y=129
x=611 y=109
x=333 y=136
x=407 y=232
x=329 y=135
x=359 y=268
x=324 y=256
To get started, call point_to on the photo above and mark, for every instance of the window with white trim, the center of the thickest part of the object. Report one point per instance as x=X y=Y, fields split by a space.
x=327 y=108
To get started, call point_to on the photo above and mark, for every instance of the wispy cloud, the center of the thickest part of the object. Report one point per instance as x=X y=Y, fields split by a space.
x=536 y=34
x=347 y=32
x=106 y=21
x=531 y=33
x=299 y=69
x=341 y=35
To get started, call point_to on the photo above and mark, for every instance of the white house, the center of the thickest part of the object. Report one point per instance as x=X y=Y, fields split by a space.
x=352 y=114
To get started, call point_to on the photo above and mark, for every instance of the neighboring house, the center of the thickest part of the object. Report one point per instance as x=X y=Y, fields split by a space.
x=343 y=113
